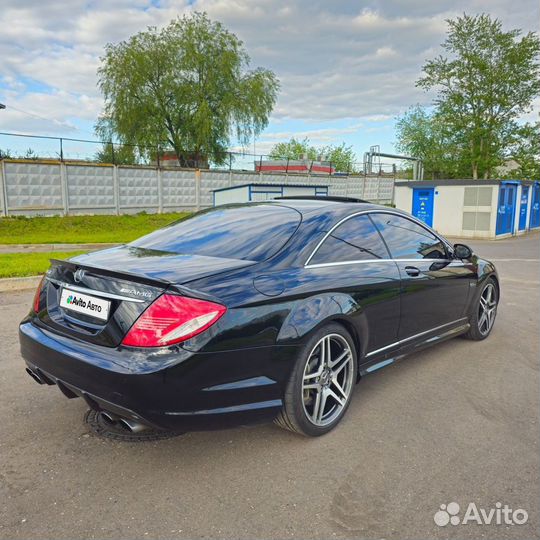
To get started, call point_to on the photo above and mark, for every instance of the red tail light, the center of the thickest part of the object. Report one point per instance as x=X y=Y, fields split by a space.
x=37 y=296
x=172 y=319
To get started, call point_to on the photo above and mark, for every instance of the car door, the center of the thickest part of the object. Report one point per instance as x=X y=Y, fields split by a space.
x=353 y=259
x=434 y=285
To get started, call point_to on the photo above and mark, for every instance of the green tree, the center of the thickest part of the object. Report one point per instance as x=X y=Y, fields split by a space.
x=294 y=149
x=488 y=79
x=187 y=85
x=30 y=154
x=526 y=152
x=426 y=136
x=341 y=156
x=117 y=154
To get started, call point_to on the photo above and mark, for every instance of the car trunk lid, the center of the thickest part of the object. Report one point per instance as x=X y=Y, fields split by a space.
x=97 y=297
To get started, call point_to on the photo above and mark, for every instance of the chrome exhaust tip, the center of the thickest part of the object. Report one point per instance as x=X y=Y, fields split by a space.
x=109 y=418
x=132 y=425
x=34 y=376
x=129 y=425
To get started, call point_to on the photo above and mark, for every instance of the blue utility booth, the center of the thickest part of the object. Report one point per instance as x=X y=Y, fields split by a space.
x=506 y=210
x=423 y=204
x=534 y=220
x=523 y=206
x=472 y=208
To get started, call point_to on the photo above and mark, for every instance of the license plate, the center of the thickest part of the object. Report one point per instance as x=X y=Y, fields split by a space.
x=84 y=303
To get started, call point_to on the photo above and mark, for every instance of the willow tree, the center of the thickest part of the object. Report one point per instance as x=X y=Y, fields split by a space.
x=187 y=86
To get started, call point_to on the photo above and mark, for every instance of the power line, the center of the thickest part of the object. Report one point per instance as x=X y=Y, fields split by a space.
x=57 y=122
x=36 y=115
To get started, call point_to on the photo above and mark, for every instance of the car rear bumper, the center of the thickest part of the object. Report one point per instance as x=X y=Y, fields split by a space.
x=171 y=389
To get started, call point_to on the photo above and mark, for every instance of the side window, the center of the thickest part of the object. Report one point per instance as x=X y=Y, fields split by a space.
x=408 y=240
x=356 y=239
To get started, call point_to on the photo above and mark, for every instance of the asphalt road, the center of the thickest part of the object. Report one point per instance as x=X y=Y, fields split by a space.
x=456 y=423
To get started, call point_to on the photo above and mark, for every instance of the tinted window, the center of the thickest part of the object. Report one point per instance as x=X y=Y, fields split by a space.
x=253 y=232
x=356 y=239
x=407 y=240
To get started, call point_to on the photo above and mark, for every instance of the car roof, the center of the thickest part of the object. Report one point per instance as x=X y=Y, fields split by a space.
x=324 y=205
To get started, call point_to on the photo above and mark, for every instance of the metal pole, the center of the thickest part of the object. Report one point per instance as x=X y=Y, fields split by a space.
x=112 y=153
x=198 y=189
x=116 y=189
x=3 y=187
x=61 y=150
x=160 y=190
x=65 y=190
x=287 y=168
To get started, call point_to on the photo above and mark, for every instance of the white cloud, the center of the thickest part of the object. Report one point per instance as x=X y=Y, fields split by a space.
x=322 y=135
x=55 y=113
x=336 y=61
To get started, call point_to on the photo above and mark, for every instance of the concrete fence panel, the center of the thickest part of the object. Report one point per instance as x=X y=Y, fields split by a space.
x=42 y=188
x=179 y=190
x=90 y=189
x=32 y=188
x=138 y=189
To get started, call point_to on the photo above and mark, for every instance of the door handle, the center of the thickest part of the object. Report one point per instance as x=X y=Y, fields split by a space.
x=412 y=271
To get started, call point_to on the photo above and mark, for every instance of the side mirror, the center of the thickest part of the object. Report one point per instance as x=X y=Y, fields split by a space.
x=461 y=251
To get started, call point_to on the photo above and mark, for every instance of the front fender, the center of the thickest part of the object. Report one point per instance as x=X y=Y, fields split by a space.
x=485 y=270
x=310 y=313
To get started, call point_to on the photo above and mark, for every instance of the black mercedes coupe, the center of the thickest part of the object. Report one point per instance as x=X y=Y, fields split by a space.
x=252 y=312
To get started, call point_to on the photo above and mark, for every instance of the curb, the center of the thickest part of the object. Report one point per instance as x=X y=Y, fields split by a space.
x=19 y=283
x=41 y=248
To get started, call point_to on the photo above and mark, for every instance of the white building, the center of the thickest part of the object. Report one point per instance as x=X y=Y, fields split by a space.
x=472 y=208
x=264 y=192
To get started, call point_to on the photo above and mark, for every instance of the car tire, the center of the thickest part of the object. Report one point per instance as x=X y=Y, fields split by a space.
x=483 y=311
x=321 y=384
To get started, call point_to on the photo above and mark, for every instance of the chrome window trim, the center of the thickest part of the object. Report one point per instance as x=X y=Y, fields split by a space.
x=343 y=263
x=93 y=292
x=343 y=220
x=397 y=343
x=372 y=211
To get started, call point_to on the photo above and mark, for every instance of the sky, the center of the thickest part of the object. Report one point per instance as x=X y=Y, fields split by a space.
x=347 y=68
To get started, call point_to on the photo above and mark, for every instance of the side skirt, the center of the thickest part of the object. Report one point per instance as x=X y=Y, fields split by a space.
x=410 y=348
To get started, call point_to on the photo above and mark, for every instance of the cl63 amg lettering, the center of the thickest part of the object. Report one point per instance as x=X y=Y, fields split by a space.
x=254 y=312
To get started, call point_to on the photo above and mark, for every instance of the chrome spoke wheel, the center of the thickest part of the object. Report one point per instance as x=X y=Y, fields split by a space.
x=487 y=309
x=327 y=380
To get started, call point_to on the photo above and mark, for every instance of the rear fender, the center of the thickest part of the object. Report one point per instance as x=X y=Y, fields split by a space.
x=311 y=313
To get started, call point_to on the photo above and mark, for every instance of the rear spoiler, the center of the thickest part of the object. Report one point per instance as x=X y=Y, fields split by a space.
x=112 y=273
x=136 y=278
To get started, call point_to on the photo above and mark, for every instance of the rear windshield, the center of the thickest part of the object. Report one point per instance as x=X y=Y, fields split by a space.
x=253 y=232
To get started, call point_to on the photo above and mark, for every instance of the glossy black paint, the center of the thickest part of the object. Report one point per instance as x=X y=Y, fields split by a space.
x=236 y=371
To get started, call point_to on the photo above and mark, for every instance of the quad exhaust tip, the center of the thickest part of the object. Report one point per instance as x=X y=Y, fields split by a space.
x=133 y=426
